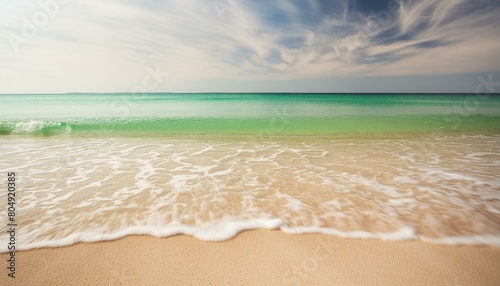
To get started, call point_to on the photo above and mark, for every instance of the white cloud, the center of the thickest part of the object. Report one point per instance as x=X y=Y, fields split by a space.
x=91 y=45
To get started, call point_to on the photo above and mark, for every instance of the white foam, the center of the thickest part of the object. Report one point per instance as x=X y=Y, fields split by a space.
x=229 y=229
x=404 y=233
x=215 y=232
x=32 y=126
x=124 y=187
x=493 y=240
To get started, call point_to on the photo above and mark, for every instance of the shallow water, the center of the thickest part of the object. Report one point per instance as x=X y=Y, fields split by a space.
x=266 y=115
x=444 y=188
x=366 y=166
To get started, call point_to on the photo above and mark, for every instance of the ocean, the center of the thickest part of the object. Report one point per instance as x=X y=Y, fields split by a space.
x=94 y=167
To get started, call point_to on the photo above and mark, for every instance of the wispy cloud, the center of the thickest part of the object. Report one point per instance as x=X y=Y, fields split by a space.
x=107 y=45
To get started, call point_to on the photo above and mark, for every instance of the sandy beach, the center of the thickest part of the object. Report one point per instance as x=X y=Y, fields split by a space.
x=258 y=257
x=231 y=142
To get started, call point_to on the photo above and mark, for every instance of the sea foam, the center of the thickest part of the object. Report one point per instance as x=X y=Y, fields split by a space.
x=229 y=229
x=94 y=189
x=33 y=127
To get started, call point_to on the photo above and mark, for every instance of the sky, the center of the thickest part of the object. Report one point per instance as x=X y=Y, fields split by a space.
x=58 y=46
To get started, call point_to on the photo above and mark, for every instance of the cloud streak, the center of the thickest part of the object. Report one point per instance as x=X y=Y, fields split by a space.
x=107 y=46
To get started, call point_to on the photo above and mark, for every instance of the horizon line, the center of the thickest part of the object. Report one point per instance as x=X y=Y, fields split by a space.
x=217 y=92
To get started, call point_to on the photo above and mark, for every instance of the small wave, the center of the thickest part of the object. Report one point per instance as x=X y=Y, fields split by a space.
x=212 y=232
x=34 y=127
x=229 y=229
x=387 y=189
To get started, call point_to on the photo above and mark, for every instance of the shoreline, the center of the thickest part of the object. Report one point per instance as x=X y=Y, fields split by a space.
x=257 y=257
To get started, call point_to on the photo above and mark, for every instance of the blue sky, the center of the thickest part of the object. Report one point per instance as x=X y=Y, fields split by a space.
x=248 y=46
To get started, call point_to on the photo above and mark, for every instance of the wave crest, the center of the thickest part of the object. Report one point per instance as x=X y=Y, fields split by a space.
x=34 y=127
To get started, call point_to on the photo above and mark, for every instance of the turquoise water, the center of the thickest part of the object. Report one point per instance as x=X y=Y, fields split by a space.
x=263 y=114
x=360 y=166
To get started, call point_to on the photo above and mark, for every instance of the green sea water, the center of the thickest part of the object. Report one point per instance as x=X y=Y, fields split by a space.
x=388 y=166
x=260 y=114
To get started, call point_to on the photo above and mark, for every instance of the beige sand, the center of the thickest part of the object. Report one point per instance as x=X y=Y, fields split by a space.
x=256 y=258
